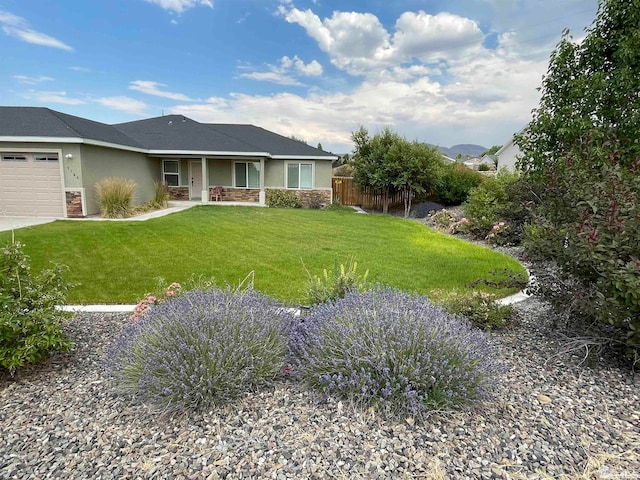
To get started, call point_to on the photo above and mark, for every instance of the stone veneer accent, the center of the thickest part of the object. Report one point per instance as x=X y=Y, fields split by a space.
x=238 y=195
x=178 y=193
x=314 y=198
x=74 y=204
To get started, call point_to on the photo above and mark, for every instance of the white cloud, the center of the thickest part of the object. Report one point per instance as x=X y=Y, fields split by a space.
x=283 y=73
x=80 y=69
x=435 y=37
x=18 y=27
x=32 y=80
x=53 y=97
x=124 y=104
x=151 y=88
x=356 y=42
x=180 y=6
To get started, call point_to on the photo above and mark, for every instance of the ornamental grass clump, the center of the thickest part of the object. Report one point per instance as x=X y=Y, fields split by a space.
x=115 y=196
x=395 y=352
x=202 y=348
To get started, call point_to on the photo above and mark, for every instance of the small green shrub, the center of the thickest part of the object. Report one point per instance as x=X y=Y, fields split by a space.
x=282 y=199
x=336 y=206
x=202 y=348
x=455 y=183
x=336 y=284
x=488 y=202
x=396 y=352
x=480 y=308
x=30 y=324
x=115 y=196
x=483 y=167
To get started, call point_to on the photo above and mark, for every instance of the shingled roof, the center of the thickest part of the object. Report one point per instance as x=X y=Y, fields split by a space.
x=271 y=142
x=166 y=134
x=44 y=122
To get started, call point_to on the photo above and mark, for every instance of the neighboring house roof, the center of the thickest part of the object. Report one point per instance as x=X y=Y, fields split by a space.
x=171 y=134
x=40 y=122
x=277 y=145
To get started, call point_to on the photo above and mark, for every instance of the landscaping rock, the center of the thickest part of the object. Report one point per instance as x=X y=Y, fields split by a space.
x=63 y=419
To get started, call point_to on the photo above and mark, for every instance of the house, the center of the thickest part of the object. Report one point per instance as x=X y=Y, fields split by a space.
x=50 y=162
x=508 y=155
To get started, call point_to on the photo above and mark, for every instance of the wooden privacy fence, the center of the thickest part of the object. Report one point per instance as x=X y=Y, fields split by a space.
x=347 y=192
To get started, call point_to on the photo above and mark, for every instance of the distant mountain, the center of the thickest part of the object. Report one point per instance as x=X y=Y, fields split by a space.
x=463 y=149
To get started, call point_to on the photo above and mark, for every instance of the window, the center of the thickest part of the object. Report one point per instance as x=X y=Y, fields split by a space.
x=247 y=174
x=299 y=175
x=14 y=158
x=171 y=172
x=47 y=157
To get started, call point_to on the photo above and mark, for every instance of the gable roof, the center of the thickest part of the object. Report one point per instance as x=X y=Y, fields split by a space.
x=171 y=134
x=40 y=122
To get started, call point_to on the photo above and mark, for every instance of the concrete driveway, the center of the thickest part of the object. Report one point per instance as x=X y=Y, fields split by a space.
x=12 y=223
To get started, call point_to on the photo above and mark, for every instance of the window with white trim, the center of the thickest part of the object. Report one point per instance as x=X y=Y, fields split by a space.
x=13 y=157
x=300 y=175
x=171 y=173
x=247 y=174
x=46 y=157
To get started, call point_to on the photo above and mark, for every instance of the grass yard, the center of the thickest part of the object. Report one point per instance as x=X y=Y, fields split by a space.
x=118 y=262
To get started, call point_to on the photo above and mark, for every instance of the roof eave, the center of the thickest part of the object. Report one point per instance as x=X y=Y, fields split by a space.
x=70 y=140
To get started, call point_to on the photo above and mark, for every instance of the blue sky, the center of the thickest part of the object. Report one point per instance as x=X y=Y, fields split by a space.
x=439 y=71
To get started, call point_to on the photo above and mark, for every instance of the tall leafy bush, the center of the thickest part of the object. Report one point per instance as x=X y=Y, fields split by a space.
x=30 y=325
x=394 y=351
x=455 y=183
x=582 y=153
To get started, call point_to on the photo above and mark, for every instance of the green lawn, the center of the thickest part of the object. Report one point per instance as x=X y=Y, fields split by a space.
x=117 y=262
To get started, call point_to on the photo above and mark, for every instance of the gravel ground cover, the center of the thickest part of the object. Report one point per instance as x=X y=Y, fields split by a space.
x=552 y=417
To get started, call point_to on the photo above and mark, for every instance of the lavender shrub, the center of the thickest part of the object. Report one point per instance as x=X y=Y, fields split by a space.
x=202 y=348
x=394 y=351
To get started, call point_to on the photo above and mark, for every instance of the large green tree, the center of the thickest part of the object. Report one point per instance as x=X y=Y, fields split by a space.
x=581 y=152
x=416 y=168
x=389 y=163
x=373 y=163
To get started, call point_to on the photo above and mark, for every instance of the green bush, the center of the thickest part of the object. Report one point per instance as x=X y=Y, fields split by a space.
x=336 y=206
x=30 y=324
x=455 y=183
x=282 y=199
x=489 y=203
x=480 y=308
x=588 y=224
x=336 y=284
x=115 y=196
x=483 y=167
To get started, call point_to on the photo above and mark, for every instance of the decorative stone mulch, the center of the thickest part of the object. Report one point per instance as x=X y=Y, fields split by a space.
x=551 y=417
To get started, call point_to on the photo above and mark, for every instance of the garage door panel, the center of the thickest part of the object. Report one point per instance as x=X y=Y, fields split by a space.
x=31 y=188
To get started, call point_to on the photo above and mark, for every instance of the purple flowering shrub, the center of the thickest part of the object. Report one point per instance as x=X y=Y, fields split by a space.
x=202 y=348
x=394 y=351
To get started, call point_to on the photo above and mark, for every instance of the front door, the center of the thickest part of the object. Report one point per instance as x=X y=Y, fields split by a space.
x=195 y=172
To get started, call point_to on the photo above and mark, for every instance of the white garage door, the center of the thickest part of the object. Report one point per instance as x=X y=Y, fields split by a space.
x=30 y=185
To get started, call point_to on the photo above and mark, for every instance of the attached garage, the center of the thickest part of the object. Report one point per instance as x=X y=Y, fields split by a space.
x=30 y=185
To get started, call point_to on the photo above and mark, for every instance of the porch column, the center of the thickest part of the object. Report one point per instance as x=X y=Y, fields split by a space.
x=262 y=195
x=205 y=181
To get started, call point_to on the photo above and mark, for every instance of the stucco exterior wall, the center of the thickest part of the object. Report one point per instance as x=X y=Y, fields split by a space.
x=220 y=172
x=323 y=174
x=274 y=174
x=102 y=162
